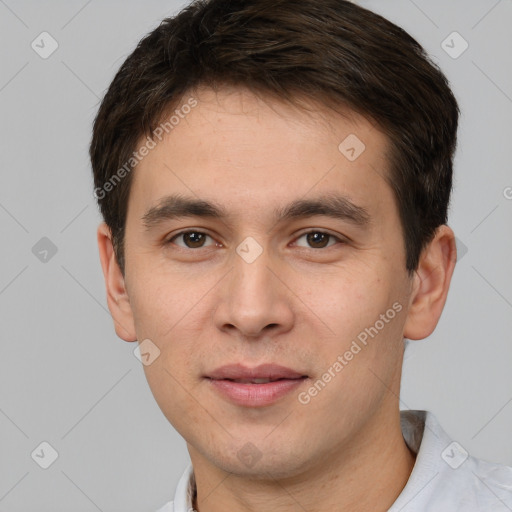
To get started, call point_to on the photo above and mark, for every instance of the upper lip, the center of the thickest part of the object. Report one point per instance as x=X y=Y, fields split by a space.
x=263 y=371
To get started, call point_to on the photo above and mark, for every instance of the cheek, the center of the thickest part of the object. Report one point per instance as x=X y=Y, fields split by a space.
x=161 y=302
x=347 y=303
x=172 y=393
x=365 y=318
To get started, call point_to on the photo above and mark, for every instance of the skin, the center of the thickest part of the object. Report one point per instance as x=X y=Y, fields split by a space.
x=297 y=305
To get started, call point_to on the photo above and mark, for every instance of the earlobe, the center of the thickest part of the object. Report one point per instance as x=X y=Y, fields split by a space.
x=117 y=296
x=431 y=283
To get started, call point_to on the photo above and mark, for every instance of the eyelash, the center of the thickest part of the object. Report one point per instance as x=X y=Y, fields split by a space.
x=181 y=233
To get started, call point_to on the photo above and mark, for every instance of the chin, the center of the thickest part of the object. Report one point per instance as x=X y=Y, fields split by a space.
x=260 y=464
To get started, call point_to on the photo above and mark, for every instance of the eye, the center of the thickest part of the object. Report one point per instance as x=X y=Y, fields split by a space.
x=318 y=239
x=190 y=239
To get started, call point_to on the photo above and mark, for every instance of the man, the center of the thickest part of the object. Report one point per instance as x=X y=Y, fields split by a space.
x=274 y=179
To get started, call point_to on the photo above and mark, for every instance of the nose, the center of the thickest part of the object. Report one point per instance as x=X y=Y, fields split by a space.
x=255 y=300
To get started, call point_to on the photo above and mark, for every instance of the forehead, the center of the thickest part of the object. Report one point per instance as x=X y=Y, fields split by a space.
x=253 y=151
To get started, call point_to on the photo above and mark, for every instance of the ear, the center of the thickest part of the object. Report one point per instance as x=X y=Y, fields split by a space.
x=117 y=297
x=431 y=283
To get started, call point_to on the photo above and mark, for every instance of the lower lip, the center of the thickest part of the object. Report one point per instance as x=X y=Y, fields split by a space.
x=255 y=395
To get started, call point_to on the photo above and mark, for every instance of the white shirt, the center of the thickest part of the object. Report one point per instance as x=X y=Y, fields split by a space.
x=444 y=478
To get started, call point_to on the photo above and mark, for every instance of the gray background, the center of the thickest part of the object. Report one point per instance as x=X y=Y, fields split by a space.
x=65 y=377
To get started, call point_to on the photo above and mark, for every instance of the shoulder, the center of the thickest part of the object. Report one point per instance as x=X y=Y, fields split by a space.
x=478 y=485
x=473 y=483
x=445 y=477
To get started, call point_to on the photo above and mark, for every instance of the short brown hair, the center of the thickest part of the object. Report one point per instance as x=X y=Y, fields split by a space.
x=332 y=51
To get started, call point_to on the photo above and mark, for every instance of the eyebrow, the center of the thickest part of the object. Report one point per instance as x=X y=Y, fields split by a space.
x=329 y=205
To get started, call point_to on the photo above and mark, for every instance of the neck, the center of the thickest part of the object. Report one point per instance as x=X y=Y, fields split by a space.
x=368 y=473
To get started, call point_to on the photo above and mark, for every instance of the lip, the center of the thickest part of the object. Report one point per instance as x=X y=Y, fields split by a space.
x=283 y=381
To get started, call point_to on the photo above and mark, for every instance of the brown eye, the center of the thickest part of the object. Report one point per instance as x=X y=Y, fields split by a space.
x=190 y=239
x=318 y=239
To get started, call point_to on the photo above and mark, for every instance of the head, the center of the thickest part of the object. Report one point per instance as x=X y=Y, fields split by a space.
x=275 y=184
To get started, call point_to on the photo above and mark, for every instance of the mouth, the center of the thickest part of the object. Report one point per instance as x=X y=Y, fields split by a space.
x=263 y=372
x=254 y=387
x=259 y=381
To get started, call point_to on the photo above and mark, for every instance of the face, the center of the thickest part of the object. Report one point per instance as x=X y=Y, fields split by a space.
x=298 y=261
